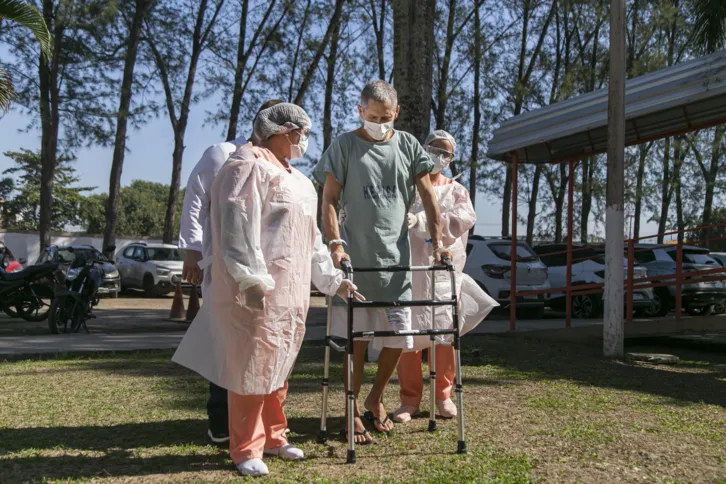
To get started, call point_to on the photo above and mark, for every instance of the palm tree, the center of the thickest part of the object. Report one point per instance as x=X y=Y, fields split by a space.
x=28 y=16
x=709 y=26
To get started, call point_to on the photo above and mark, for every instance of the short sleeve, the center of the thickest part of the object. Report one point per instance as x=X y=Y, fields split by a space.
x=334 y=162
x=422 y=162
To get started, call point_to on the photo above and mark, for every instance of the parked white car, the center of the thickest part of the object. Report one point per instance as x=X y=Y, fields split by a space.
x=489 y=264
x=588 y=267
x=154 y=268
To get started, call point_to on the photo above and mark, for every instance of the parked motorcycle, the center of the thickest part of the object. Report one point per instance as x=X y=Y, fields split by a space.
x=22 y=294
x=72 y=307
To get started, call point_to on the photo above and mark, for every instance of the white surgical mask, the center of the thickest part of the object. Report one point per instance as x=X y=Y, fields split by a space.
x=440 y=163
x=298 y=151
x=377 y=131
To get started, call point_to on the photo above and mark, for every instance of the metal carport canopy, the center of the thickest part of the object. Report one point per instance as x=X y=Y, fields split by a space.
x=675 y=100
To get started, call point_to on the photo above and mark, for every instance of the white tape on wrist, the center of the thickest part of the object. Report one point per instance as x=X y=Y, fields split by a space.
x=337 y=242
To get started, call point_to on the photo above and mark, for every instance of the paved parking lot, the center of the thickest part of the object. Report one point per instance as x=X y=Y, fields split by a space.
x=129 y=323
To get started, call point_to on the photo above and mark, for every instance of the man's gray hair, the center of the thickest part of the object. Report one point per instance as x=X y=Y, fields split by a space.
x=378 y=91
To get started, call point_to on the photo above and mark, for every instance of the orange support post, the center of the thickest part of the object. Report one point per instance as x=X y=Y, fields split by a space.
x=513 y=270
x=570 y=224
x=631 y=277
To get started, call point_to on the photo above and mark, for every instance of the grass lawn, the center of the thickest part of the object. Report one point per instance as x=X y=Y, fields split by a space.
x=535 y=412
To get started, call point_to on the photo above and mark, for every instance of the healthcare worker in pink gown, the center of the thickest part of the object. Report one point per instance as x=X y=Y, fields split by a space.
x=457 y=218
x=266 y=251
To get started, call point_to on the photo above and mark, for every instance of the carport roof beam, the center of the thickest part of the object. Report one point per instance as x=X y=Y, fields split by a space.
x=675 y=100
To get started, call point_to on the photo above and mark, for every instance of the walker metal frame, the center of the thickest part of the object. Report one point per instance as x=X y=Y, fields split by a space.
x=434 y=334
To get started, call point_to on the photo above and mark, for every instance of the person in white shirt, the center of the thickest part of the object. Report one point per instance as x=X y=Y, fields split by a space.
x=195 y=241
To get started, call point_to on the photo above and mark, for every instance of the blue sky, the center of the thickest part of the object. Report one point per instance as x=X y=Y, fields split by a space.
x=149 y=156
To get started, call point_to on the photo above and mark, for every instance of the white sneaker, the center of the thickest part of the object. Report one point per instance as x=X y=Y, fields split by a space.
x=447 y=409
x=286 y=452
x=405 y=413
x=253 y=468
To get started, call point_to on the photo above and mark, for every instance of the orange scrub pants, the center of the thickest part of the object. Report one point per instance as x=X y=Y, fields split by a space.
x=410 y=376
x=256 y=423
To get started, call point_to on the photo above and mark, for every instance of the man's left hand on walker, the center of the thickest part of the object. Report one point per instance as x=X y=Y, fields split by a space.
x=440 y=254
x=346 y=287
x=191 y=271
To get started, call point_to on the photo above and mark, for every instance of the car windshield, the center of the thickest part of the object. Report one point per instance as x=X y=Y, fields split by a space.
x=504 y=252
x=165 y=254
x=68 y=255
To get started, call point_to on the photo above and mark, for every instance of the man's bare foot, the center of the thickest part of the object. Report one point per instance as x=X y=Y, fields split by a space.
x=361 y=436
x=380 y=417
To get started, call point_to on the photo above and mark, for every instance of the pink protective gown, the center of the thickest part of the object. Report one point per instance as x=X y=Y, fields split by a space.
x=457 y=217
x=264 y=232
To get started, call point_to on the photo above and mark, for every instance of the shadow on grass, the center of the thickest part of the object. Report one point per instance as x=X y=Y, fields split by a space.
x=584 y=364
x=92 y=438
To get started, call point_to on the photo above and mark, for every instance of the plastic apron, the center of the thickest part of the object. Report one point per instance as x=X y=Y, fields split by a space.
x=457 y=218
x=264 y=231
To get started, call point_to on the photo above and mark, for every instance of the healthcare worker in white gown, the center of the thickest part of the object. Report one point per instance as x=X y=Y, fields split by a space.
x=195 y=223
x=266 y=249
x=457 y=218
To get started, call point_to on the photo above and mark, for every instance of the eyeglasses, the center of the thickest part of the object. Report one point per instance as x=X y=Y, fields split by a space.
x=438 y=151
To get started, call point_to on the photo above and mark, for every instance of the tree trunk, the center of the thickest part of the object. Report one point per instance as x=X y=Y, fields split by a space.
x=443 y=95
x=710 y=180
x=329 y=88
x=199 y=40
x=109 y=237
x=379 y=28
x=643 y=156
x=533 y=203
x=296 y=56
x=586 y=203
x=666 y=191
x=50 y=118
x=523 y=76
x=333 y=25
x=413 y=48
x=475 y=135
x=532 y=214
x=678 y=162
x=238 y=73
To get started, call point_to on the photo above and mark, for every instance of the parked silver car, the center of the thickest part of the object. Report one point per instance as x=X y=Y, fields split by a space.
x=489 y=264
x=588 y=267
x=698 y=297
x=154 y=268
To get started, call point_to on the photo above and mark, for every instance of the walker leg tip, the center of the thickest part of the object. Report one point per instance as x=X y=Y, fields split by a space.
x=461 y=447
x=351 y=457
x=323 y=437
x=432 y=425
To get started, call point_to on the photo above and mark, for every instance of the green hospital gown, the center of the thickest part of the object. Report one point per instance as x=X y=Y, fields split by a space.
x=379 y=187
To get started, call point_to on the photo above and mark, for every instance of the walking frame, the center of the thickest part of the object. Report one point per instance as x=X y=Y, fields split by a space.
x=434 y=334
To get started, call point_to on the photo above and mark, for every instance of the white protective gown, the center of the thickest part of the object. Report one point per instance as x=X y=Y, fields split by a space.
x=195 y=221
x=457 y=217
x=264 y=231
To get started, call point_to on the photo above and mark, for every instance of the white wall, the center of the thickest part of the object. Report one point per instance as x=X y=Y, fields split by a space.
x=27 y=245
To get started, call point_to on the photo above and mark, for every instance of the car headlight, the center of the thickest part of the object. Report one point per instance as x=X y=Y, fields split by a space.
x=162 y=271
x=111 y=275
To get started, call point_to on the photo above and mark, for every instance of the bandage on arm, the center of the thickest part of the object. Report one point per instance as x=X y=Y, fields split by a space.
x=241 y=197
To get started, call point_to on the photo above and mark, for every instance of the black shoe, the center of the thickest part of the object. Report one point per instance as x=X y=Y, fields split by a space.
x=218 y=437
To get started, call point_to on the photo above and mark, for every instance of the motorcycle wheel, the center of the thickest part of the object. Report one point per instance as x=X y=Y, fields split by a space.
x=59 y=315
x=36 y=309
x=10 y=311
